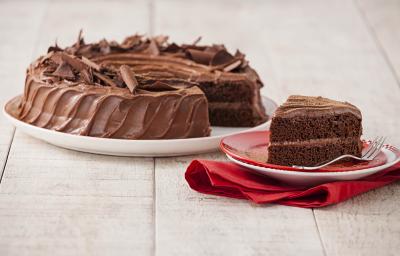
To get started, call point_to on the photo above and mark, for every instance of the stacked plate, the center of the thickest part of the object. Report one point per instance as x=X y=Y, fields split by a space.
x=250 y=150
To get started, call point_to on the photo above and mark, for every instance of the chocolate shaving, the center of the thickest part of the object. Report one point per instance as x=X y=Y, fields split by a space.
x=90 y=63
x=74 y=62
x=197 y=40
x=232 y=66
x=173 y=48
x=108 y=81
x=80 y=38
x=54 y=48
x=160 y=40
x=131 y=41
x=129 y=78
x=64 y=71
x=158 y=86
x=221 y=57
x=198 y=56
x=152 y=49
x=105 y=47
x=87 y=76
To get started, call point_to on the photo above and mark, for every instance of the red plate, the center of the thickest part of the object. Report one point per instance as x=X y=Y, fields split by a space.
x=251 y=148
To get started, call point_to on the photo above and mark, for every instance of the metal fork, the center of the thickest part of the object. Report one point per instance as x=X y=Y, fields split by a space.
x=368 y=154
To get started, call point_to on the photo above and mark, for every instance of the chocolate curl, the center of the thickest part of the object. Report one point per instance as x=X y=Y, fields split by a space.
x=197 y=40
x=64 y=71
x=80 y=38
x=90 y=63
x=221 y=57
x=201 y=57
x=130 y=42
x=129 y=78
x=108 y=81
x=232 y=66
x=161 y=39
x=73 y=61
x=158 y=86
x=152 y=49
x=87 y=76
x=54 y=48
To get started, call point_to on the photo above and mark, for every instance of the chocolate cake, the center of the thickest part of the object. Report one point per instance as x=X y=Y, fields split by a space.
x=307 y=130
x=231 y=86
x=75 y=95
x=142 y=88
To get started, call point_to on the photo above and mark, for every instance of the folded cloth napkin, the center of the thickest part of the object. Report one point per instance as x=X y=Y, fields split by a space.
x=231 y=180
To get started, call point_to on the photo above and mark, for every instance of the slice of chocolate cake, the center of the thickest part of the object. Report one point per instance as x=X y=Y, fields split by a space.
x=309 y=130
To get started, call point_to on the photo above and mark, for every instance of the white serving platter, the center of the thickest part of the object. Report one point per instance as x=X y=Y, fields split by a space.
x=122 y=147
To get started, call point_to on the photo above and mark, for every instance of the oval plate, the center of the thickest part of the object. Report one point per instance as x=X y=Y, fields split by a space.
x=250 y=150
x=122 y=147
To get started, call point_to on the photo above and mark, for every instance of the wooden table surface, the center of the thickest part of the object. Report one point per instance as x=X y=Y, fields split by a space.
x=60 y=202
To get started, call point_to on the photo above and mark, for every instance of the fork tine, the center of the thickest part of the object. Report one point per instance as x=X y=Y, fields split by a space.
x=381 y=145
x=370 y=146
x=374 y=148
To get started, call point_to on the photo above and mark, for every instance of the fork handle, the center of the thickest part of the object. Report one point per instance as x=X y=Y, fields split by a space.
x=325 y=164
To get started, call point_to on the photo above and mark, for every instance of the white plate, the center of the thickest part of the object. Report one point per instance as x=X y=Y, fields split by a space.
x=314 y=178
x=121 y=147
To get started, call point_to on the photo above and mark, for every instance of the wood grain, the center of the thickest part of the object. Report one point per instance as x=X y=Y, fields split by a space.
x=189 y=223
x=366 y=225
x=383 y=19
x=19 y=31
x=312 y=48
x=72 y=203
x=59 y=201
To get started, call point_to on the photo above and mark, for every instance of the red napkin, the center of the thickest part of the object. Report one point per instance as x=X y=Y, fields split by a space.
x=231 y=180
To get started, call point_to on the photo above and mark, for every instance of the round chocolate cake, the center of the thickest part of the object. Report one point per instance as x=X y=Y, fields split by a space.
x=142 y=88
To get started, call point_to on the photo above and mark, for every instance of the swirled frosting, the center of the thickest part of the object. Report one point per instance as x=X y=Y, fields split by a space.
x=142 y=88
x=65 y=94
x=313 y=106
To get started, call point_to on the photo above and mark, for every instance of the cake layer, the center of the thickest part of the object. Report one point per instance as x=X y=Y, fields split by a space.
x=312 y=152
x=315 y=127
x=72 y=95
x=309 y=130
x=232 y=114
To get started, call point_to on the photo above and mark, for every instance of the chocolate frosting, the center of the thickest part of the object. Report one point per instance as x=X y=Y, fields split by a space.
x=308 y=105
x=142 y=88
x=73 y=94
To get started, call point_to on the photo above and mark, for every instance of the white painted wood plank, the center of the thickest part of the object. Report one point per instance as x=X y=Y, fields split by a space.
x=190 y=223
x=18 y=29
x=383 y=18
x=365 y=225
x=312 y=48
x=70 y=203
x=98 y=19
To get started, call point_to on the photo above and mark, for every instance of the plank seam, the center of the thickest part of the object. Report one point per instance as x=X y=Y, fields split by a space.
x=34 y=49
x=377 y=42
x=319 y=234
x=151 y=7
x=8 y=153
x=154 y=209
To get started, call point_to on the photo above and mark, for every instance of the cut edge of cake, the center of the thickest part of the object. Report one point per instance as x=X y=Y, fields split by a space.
x=308 y=130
